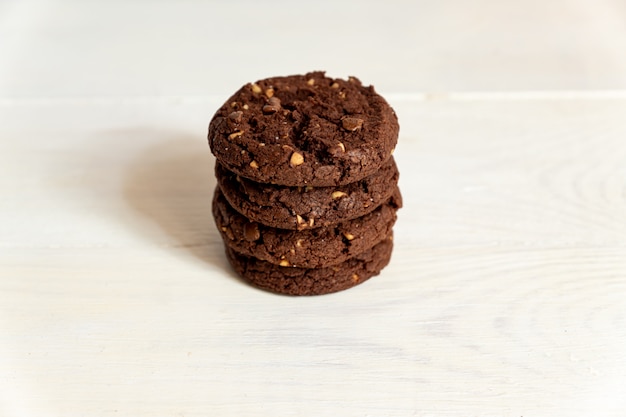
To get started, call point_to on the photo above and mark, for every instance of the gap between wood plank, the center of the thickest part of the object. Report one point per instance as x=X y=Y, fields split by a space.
x=396 y=97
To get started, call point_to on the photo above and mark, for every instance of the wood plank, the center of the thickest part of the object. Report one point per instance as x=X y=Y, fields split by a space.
x=186 y=48
x=504 y=297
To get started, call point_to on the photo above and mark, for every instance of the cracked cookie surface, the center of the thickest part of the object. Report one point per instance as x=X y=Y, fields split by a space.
x=304 y=130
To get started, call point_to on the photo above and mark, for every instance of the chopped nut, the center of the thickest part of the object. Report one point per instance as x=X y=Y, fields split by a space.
x=342 y=94
x=251 y=231
x=338 y=194
x=236 y=116
x=274 y=101
x=254 y=164
x=269 y=92
x=337 y=149
x=308 y=188
x=245 y=107
x=348 y=236
x=267 y=109
x=228 y=232
x=311 y=81
x=256 y=89
x=351 y=123
x=292 y=251
x=355 y=278
x=334 y=85
x=272 y=106
x=296 y=159
x=238 y=178
x=284 y=262
x=392 y=151
x=233 y=104
x=299 y=243
x=235 y=134
x=303 y=224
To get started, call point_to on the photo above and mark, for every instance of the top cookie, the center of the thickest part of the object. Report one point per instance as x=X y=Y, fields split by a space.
x=304 y=130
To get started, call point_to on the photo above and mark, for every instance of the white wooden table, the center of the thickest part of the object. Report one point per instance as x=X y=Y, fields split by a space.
x=506 y=293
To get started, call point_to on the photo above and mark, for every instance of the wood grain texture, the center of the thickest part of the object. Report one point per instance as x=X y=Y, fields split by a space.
x=504 y=296
x=191 y=48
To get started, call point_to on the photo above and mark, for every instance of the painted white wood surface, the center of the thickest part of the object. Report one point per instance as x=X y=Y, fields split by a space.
x=505 y=296
x=199 y=47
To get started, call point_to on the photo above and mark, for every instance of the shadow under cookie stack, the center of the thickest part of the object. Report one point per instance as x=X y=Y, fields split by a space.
x=307 y=188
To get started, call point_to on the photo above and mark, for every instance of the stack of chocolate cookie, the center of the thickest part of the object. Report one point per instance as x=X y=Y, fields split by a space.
x=307 y=188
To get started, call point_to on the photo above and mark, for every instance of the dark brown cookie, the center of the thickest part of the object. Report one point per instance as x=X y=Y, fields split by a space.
x=301 y=281
x=304 y=130
x=312 y=248
x=299 y=208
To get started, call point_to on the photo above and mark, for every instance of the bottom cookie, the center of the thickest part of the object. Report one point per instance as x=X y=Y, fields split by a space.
x=302 y=281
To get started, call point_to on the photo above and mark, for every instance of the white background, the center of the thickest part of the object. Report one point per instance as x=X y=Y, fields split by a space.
x=505 y=295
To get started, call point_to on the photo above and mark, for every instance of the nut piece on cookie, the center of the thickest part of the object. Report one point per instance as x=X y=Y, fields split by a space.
x=251 y=231
x=296 y=159
x=351 y=123
x=235 y=134
x=236 y=116
x=272 y=106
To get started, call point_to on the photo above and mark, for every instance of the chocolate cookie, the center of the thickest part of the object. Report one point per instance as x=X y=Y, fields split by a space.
x=301 y=281
x=299 y=208
x=304 y=130
x=312 y=248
